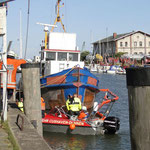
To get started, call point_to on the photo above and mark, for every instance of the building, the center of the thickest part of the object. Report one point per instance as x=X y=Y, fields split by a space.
x=136 y=42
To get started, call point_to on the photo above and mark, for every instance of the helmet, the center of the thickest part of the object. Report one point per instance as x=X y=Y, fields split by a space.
x=11 y=53
x=84 y=108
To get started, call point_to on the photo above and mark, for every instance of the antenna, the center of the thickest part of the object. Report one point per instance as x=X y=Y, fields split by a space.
x=58 y=18
x=46 y=30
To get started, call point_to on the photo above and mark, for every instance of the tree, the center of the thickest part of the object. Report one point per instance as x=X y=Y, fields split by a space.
x=84 y=54
x=119 y=54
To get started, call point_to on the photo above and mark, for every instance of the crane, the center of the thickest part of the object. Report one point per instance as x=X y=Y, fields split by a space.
x=58 y=18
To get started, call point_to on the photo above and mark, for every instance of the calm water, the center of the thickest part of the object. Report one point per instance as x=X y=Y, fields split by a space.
x=120 y=141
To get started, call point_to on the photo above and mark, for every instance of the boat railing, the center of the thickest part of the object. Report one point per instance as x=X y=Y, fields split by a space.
x=109 y=98
x=61 y=111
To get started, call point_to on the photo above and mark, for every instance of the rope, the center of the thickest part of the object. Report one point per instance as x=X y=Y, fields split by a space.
x=57 y=79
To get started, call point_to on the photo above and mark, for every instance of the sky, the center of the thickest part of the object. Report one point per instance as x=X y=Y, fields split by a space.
x=91 y=20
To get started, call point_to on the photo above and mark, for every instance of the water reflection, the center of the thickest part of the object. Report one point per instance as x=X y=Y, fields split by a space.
x=59 y=141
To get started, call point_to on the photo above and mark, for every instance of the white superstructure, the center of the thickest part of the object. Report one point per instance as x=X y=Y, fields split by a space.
x=62 y=53
x=62 y=41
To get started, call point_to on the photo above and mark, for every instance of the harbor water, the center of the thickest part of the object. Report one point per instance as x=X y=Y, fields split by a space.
x=119 y=141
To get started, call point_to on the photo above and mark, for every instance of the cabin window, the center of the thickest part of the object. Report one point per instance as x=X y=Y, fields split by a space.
x=73 y=57
x=140 y=43
x=62 y=56
x=50 y=56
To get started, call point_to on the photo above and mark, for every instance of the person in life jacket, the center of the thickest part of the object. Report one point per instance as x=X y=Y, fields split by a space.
x=83 y=114
x=73 y=105
x=12 y=65
x=20 y=104
x=43 y=107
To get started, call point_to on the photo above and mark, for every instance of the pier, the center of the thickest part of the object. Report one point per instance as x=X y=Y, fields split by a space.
x=138 y=84
x=26 y=136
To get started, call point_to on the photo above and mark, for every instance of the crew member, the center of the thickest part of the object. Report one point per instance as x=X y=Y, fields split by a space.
x=73 y=105
x=20 y=104
x=12 y=65
x=43 y=107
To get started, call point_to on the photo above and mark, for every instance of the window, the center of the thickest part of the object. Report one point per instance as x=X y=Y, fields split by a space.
x=50 y=56
x=141 y=53
x=73 y=57
x=140 y=43
x=126 y=44
x=62 y=56
x=121 y=44
x=149 y=43
x=135 y=44
x=135 y=52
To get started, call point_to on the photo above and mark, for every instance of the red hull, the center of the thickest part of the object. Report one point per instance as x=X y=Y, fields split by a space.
x=50 y=119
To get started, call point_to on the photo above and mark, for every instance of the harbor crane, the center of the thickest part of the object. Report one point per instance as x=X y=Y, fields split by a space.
x=46 y=30
x=58 y=18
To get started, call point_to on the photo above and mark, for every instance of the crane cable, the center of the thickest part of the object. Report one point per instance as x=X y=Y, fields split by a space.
x=27 y=29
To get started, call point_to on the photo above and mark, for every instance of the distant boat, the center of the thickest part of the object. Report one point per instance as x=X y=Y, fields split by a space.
x=121 y=71
x=113 y=69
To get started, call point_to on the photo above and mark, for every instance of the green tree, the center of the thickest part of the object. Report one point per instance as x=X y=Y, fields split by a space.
x=84 y=54
x=119 y=54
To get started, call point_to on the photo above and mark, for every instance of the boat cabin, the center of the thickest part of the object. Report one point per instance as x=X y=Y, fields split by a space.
x=62 y=53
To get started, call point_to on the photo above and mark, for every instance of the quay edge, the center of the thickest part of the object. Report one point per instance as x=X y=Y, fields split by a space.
x=28 y=138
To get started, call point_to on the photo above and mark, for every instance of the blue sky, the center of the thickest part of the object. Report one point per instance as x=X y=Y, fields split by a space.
x=87 y=18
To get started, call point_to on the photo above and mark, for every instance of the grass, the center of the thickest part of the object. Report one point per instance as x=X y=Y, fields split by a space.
x=10 y=135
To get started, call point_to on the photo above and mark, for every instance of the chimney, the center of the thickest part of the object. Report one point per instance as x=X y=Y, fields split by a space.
x=114 y=35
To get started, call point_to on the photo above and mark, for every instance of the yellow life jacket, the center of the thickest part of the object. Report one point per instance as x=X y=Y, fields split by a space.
x=20 y=105
x=75 y=105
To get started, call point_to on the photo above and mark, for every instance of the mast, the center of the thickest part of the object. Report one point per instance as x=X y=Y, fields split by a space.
x=58 y=18
x=46 y=31
x=20 y=34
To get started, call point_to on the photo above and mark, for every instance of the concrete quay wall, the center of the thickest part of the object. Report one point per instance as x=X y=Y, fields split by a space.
x=27 y=138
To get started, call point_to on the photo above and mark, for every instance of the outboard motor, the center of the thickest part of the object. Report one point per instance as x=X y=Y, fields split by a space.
x=111 y=124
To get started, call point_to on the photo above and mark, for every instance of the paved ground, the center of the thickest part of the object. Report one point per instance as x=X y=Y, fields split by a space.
x=5 y=144
x=26 y=139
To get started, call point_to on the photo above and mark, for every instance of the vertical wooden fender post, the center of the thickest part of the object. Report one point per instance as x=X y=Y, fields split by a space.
x=32 y=94
x=138 y=84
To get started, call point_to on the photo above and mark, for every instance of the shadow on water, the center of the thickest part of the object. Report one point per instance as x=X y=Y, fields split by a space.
x=120 y=141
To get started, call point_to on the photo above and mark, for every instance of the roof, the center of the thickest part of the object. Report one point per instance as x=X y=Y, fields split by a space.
x=118 y=37
x=5 y=1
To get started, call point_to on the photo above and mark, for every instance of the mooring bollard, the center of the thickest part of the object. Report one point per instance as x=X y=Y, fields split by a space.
x=138 y=84
x=32 y=94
